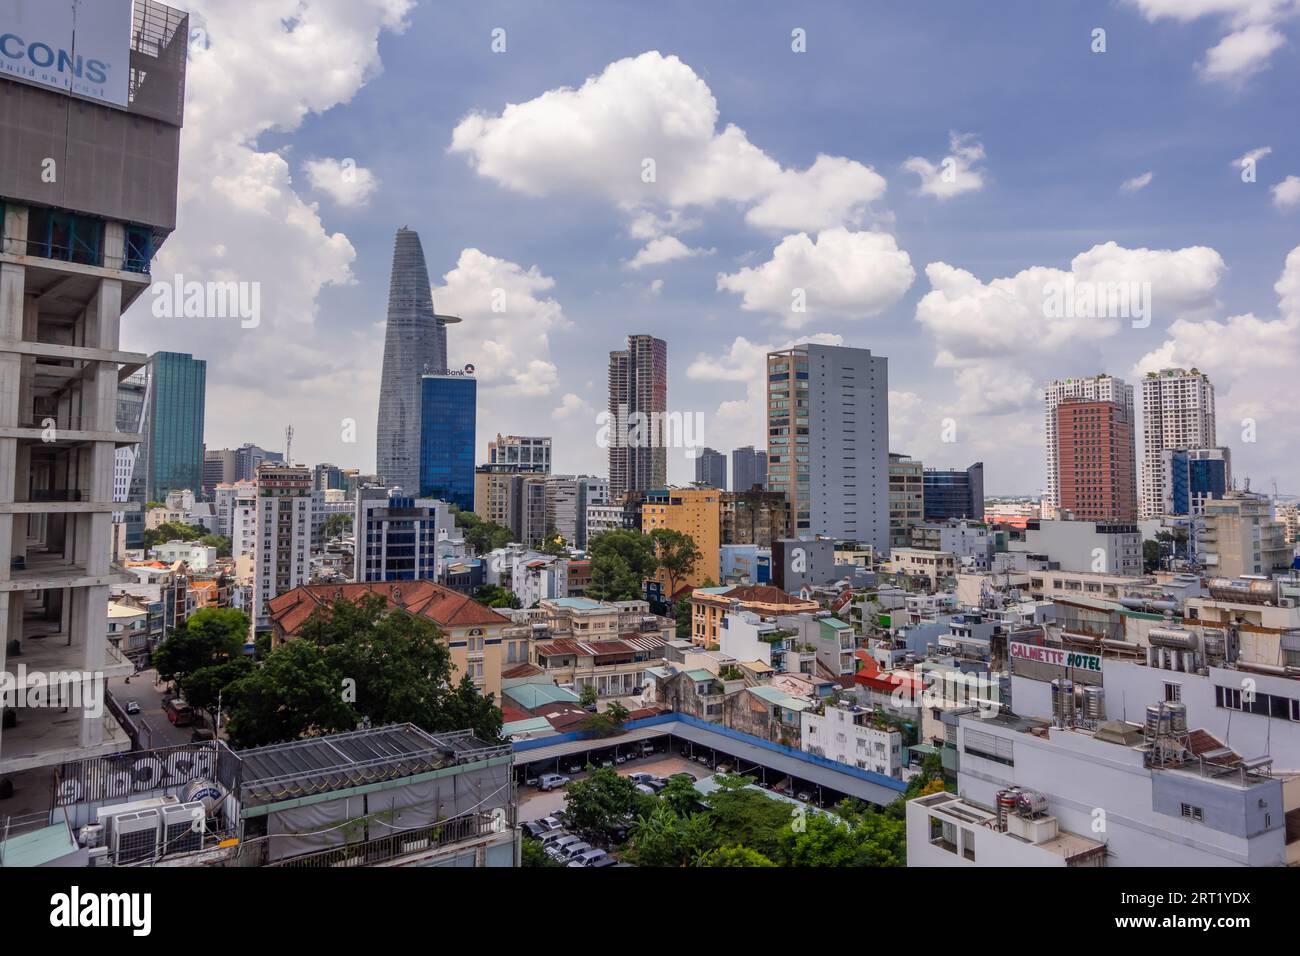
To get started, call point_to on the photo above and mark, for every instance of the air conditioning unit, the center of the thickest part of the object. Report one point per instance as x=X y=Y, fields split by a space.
x=135 y=836
x=183 y=826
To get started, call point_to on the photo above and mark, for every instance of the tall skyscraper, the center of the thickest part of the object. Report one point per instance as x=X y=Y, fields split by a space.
x=448 y=412
x=1177 y=412
x=527 y=452
x=828 y=440
x=1097 y=388
x=77 y=253
x=638 y=406
x=711 y=469
x=173 y=458
x=415 y=344
x=1097 y=463
x=281 y=560
x=748 y=468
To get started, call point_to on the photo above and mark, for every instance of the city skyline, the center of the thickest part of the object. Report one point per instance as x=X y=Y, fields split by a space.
x=701 y=263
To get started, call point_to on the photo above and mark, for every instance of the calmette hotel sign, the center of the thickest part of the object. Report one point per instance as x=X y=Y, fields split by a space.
x=77 y=46
x=1055 y=656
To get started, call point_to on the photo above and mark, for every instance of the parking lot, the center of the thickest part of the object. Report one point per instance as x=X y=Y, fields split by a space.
x=535 y=804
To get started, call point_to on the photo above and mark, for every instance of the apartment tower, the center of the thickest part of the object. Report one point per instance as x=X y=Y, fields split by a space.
x=638 y=405
x=1178 y=413
x=828 y=440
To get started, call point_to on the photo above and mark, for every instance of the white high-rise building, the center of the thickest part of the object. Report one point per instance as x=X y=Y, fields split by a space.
x=282 y=560
x=1097 y=388
x=236 y=507
x=1177 y=412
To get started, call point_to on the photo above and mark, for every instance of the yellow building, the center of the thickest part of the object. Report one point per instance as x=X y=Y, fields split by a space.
x=692 y=511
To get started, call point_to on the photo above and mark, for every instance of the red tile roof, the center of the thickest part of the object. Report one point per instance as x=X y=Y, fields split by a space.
x=762 y=594
x=522 y=670
x=427 y=599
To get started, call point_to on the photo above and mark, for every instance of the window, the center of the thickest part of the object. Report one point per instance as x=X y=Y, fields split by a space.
x=943 y=834
x=1193 y=813
x=1173 y=693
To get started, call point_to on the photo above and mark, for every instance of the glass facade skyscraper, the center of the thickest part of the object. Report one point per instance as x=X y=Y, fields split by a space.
x=448 y=407
x=415 y=344
x=175 y=424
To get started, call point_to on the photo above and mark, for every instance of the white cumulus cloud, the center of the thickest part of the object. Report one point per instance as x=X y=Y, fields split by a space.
x=955 y=173
x=342 y=180
x=840 y=273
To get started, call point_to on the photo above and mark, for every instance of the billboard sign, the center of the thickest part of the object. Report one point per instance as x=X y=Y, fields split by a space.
x=77 y=46
x=1056 y=656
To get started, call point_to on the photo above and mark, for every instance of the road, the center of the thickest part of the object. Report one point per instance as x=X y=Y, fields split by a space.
x=149 y=696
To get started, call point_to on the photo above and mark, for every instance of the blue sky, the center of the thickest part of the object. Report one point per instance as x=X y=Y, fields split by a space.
x=1054 y=128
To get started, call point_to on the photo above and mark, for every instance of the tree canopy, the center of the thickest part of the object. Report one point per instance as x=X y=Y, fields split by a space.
x=353 y=662
x=621 y=561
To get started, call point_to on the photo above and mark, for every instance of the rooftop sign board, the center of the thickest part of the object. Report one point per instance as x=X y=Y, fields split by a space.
x=1056 y=656
x=81 y=47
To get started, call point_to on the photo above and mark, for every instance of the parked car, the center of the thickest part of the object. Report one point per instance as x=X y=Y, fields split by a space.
x=535 y=829
x=605 y=861
x=641 y=777
x=588 y=858
x=551 y=837
x=685 y=773
x=657 y=784
x=530 y=779
x=724 y=768
x=803 y=795
x=552 y=822
x=607 y=761
x=620 y=758
x=647 y=748
x=133 y=706
x=571 y=851
x=549 y=781
x=557 y=848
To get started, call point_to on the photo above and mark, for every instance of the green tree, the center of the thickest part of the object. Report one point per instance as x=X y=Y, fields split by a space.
x=617 y=713
x=218 y=541
x=662 y=838
x=684 y=614
x=336 y=524
x=601 y=801
x=495 y=596
x=467 y=709
x=297 y=691
x=209 y=636
x=676 y=554
x=532 y=853
x=743 y=816
x=482 y=536
x=587 y=697
x=621 y=560
x=680 y=796
x=208 y=688
x=819 y=841
x=733 y=856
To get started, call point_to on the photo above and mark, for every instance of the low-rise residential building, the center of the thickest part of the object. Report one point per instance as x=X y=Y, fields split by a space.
x=199 y=557
x=855 y=736
x=1086 y=546
x=922 y=565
